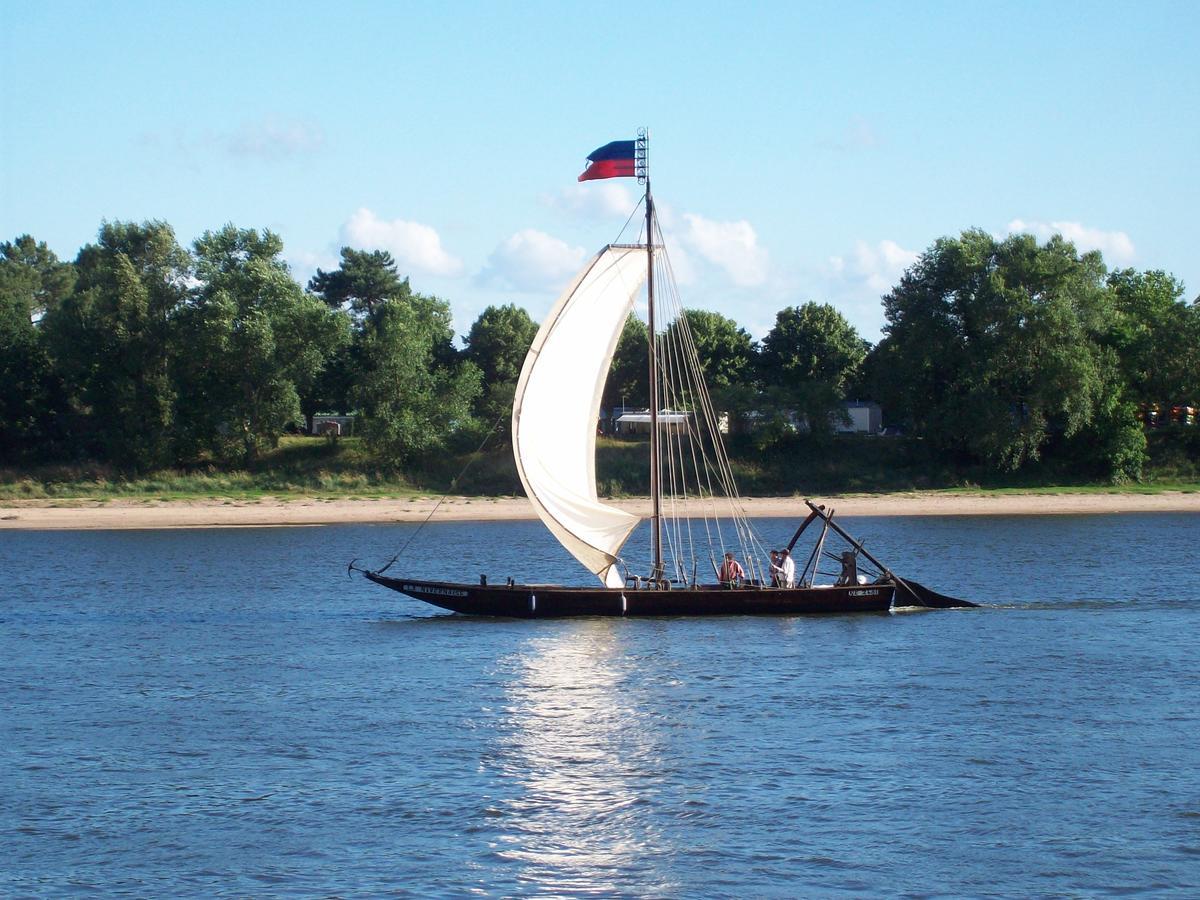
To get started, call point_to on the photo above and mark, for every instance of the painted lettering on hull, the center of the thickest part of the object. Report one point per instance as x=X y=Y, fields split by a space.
x=437 y=592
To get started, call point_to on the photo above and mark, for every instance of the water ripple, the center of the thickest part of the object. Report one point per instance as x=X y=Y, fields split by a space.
x=256 y=727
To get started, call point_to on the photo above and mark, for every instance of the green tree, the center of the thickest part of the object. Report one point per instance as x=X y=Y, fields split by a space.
x=32 y=400
x=807 y=359
x=497 y=344
x=364 y=282
x=725 y=352
x=994 y=347
x=331 y=391
x=1189 y=390
x=110 y=341
x=250 y=341
x=629 y=375
x=413 y=390
x=44 y=280
x=1157 y=337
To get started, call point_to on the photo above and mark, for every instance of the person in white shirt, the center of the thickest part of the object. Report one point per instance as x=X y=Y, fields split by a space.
x=787 y=569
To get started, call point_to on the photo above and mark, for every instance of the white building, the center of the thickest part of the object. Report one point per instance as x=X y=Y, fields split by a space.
x=639 y=422
x=866 y=417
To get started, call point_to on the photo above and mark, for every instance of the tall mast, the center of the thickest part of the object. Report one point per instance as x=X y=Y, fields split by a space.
x=643 y=173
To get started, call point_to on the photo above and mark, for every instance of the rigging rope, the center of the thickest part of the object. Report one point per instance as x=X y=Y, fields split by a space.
x=470 y=462
x=683 y=389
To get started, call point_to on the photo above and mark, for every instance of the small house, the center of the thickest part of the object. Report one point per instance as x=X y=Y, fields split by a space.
x=639 y=422
x=864 y=417
x=337 y=426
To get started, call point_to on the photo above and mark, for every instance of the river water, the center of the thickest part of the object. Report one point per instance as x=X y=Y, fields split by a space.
x=224 y=713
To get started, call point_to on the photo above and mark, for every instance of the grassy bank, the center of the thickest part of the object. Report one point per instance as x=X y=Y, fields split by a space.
x=314 y=467
x=300 y=466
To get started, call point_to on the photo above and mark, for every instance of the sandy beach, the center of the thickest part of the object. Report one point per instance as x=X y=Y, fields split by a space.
x=83 y=514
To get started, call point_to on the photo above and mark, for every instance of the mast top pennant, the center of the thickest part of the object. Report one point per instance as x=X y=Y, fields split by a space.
x=620 y=159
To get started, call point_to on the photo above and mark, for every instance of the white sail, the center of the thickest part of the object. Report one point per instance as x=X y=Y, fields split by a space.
x=557 y=406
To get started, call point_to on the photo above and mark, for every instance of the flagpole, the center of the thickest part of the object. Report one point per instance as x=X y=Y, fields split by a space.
x=643 y=173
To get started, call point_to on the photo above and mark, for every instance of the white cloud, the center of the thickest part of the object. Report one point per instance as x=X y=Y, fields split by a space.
x=683 y=266
x=304 y=264
x=880 y=266
x=731 y=246
x=532 y=261
x=416 y=247
x=595 y=200
x=1116 y=246
x=272 y=138
x=855 y=282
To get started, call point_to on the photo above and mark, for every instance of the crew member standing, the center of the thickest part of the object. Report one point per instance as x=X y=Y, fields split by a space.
x=787 y=569
x=776 y=572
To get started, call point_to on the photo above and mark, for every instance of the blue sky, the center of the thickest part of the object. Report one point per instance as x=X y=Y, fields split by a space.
x=799 y=151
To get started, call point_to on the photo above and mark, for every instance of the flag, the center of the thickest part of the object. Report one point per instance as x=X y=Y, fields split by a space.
x=614 y=160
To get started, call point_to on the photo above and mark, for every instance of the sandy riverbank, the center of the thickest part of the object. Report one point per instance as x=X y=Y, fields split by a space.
x=112 y=514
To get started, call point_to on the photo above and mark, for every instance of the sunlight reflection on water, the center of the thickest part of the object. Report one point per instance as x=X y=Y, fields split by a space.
x=580 y=752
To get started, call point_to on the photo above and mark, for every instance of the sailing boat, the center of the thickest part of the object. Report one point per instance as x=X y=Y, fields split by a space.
x=554 y=423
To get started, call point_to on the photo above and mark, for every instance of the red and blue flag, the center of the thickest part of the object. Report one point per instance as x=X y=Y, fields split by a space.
x=614 y=160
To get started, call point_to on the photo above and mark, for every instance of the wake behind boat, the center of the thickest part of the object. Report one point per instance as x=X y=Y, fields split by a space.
x=698 y=524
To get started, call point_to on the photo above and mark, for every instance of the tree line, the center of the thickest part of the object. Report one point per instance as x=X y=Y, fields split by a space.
x=144 y=354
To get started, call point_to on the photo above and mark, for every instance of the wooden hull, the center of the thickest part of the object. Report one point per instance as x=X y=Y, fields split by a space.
x=535 y=601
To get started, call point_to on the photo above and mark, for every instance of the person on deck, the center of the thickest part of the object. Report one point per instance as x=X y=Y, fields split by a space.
x=776 y=572
x=849 y=569
x=787 y=569
x=731 y=573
